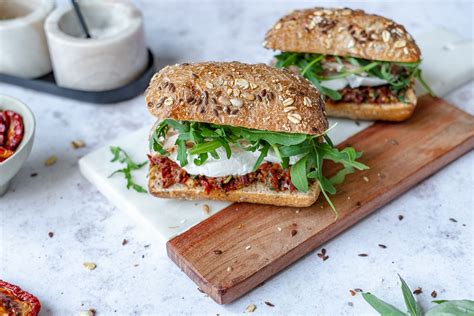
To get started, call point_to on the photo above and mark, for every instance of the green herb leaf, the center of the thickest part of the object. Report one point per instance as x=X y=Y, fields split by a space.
x=298 y=175
x=410 y=302
x=182 y=152
x=263 y=154
x=121 y=156
x=455 y=307
x=382 y=307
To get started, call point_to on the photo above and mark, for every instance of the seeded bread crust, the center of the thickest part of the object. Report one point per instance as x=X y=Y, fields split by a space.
x=255 y=193
x=343 y=32
x=252 y=96
x=395 y=112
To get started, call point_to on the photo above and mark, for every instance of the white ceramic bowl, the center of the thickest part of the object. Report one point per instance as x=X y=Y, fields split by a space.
x=23 y=48
x=114 y=56
x=10 y=167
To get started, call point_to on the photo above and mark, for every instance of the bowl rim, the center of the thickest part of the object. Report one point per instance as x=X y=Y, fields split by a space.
x=44 y=7
x=51 y=25
x=28 y=136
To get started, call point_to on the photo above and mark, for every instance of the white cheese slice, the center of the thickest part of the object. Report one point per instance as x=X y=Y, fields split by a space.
x=353 y=81
x=240 y=163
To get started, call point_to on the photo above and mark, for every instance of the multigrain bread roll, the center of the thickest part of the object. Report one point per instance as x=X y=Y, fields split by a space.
x=343 y=32
x=252 y=96
x=364 y=64
x=241 y=133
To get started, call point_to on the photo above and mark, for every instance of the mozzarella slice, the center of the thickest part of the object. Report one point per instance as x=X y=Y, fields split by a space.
x=353 y=81
x=240 y=163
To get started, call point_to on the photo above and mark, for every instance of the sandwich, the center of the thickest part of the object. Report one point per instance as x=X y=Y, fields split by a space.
x=365 y=65
x=241 y=133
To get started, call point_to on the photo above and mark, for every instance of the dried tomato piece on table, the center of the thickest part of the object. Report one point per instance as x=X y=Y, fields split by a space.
x=14 y=301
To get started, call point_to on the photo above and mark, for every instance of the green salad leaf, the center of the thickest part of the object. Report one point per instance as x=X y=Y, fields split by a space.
x=454 y=307
x=382 y=307
x=119 y=155
x=203 y=139
x=398 y=75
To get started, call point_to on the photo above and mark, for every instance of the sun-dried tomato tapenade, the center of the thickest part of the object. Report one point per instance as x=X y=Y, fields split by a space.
x=270 y=174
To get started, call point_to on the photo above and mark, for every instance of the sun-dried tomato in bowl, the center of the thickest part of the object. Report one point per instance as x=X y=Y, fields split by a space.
x=11 y=133
x=16 y=302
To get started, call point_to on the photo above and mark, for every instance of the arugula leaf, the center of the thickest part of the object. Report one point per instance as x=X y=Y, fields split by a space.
x=298 y=174
x=382 y=307
x=410 y=302
x=455 y=307
x=263 y=154
x=182 y=152
x=121 y=156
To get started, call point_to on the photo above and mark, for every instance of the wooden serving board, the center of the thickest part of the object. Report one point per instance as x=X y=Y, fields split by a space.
x=238 y=248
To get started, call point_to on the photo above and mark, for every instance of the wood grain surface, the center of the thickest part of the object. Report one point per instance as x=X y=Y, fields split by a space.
x=241 y=246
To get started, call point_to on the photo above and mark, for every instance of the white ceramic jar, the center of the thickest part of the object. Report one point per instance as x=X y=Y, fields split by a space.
x=114 y=56
x=23 y=47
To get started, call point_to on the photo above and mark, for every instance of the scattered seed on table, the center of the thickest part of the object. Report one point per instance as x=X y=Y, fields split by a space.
x=293 y=232
x=89 y=312
x=434 y=294
x=353 y=293
x=417 y=291
x=400 y=217
x=382 y=246
x=51 y=234
x=269 y=304
x=199 y=289
x=76 y=144
x=363 y=255
x=251 y=308
x=124 y=242
x=453 y=220
x=218 y=252
x=89 y=265
x=50 y=161
x=206 y=209
x=34 y=174
x=248 y=247
x=323 y=255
